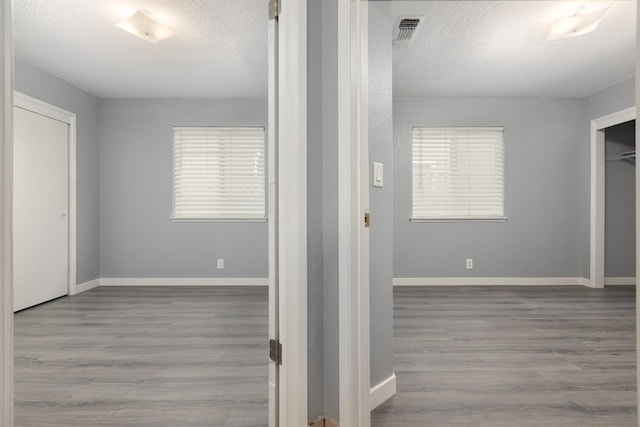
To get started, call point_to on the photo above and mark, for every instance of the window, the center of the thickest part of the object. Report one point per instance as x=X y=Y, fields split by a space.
x=218 y=173
x=457 y=173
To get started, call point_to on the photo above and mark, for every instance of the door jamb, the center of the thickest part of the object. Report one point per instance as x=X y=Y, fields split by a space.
x=353 y=195
x=6 y=178
x=597 y=180
x=48 y=110
x=292 y=211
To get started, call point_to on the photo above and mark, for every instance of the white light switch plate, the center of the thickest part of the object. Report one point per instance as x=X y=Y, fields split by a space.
x=378 y=174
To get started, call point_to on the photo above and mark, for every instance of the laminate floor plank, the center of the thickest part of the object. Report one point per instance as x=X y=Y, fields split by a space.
x=144 y=356
x=513 y=357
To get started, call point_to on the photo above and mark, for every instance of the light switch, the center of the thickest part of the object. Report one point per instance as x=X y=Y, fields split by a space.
x=378 y=174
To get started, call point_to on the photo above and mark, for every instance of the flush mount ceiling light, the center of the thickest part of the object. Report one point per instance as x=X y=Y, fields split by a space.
x=578 y=23
x=142 y=25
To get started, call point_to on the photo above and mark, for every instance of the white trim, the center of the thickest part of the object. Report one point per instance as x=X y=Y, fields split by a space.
x=218 y=220
x=83 y=287
x=619 y=281
x=459 y=220
x=353 y=201
x=6 y=178
x=490 y=281
x=292 y=211
x=597 y=191
x=382 y=391
x=38 y=106
x=190 y=281
x=48 y=110
x=637 y=77
x=272 y=213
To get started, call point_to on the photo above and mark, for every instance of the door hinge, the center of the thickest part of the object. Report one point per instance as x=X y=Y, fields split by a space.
x=367 y=219
x=275 y=351
x=274 y=9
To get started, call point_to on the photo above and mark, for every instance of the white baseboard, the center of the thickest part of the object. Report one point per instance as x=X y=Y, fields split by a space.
x=83 y=287
x=191 y=281
x=489 y=281
x=617 y=281
x=508 y=281
x=382 y=391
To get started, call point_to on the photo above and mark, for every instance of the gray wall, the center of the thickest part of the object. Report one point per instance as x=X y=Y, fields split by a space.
x=542 y=198
x=620 y=199
x=330 y=203
x=315 y=242
x=136 y=237
x=35 y=82
x=610 y=100
x=381 y=199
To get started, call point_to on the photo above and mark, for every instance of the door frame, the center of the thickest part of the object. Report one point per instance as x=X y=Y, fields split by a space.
x=597 y=191
x=292 y=204
x=37 y=106
x=292 y=211
x=6 y=180
x=272 y=223
x=353 y=202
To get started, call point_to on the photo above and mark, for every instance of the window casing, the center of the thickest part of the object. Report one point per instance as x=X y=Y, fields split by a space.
x=457 y=173
x=219 y=174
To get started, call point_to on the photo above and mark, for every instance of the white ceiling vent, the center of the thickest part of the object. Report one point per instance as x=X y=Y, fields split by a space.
x=406 y=30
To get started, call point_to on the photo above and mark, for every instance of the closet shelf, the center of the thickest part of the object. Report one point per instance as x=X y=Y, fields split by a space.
x=628 y=156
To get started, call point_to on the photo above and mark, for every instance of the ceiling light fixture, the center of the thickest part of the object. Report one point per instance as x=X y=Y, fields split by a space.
x=578 y=23
x=142 y=25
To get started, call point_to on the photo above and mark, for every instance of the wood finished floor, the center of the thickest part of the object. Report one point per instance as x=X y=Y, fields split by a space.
x=152 y=356
x=513 y=357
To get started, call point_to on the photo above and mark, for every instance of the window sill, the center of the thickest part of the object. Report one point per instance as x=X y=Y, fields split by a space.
x=455 y=220
x=218 y=219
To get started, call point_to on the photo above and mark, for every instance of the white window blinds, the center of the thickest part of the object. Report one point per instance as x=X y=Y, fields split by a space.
x=218 y=173
x=458 y=173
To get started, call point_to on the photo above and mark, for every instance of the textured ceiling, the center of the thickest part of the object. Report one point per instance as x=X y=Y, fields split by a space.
x=219 y=49
x=463 y=48
x=498 y=48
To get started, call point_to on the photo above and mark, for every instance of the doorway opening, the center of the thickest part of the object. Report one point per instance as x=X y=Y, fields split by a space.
x=597 y=190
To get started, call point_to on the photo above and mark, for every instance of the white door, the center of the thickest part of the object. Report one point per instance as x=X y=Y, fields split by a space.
x=40 y=209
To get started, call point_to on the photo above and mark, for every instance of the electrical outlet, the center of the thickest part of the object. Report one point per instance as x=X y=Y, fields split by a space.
x=220 y=263
x=469 y=264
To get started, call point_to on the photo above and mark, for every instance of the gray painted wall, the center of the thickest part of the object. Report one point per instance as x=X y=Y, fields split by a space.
x=542 y=198
x=315 y=241
x=610 y=100
x=35 y=82
x=136 y=237
x=620 y=199
x=381 y=199
x=330 y=203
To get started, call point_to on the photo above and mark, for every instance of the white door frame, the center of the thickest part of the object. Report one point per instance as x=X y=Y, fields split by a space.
x=292 y=211
x=353 y=195
x=272 y=167
x=596 y=244
x=6 y=179
x=291 y=204
x=40 y=107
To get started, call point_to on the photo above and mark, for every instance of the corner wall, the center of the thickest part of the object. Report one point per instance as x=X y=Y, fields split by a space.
x=381 y=199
